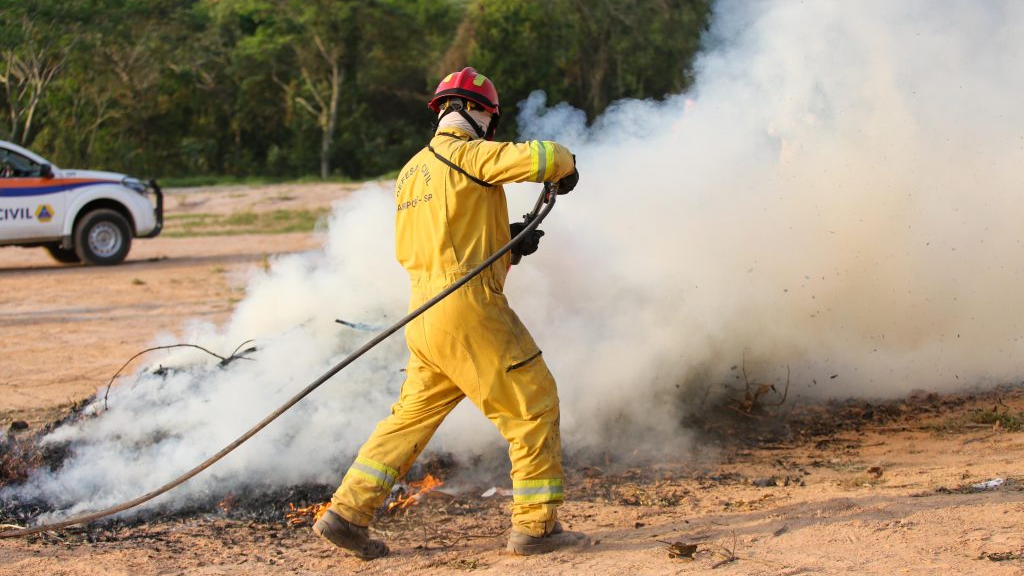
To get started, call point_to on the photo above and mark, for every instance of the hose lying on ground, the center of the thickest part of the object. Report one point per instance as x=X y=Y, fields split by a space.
x=534 y=219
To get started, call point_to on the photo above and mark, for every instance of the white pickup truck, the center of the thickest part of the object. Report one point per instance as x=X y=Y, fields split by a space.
x=77 y=215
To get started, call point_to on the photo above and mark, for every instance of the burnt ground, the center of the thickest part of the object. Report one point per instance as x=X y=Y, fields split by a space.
x=785 y=478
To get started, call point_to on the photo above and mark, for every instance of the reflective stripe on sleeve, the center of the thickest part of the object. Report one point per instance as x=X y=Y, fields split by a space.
x=380 y=474
x=549 y=165
x=545 y=490
x=542 y=160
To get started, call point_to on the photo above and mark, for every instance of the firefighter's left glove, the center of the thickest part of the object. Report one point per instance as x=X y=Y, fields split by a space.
x=527 y=245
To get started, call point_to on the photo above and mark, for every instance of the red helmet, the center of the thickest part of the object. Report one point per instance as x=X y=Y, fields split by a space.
x=468 y=84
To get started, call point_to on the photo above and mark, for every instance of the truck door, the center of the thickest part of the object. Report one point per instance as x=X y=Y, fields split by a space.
x=31 y=204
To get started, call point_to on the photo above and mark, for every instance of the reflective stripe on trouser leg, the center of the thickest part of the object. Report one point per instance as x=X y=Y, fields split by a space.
x=381 y=474
x=544 y=490
x=365 y=487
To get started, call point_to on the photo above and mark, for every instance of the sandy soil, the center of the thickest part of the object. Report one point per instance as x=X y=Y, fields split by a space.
x=855 y=491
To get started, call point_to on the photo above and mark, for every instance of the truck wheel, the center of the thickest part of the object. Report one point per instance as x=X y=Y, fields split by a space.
x=62 y=254
x=102 y=238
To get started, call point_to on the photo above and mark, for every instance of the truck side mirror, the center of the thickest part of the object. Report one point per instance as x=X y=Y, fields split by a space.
x=46 y=171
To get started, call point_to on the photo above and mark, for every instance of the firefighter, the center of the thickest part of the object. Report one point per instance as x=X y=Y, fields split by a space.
x=451 y=214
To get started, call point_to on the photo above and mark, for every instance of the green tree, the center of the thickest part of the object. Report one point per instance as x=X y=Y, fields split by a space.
x=320 y=34
x=288 y=88
x=32 y=56
x=586 y=52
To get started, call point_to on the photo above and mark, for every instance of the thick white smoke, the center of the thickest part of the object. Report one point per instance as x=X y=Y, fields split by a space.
x=838 y=193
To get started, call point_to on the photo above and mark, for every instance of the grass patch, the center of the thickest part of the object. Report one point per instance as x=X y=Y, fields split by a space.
x=214 y=180
x=999 y=419
x=1005 y=419
x=271 y=222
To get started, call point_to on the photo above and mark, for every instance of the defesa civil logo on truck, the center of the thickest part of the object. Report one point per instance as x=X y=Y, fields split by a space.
x=44 y=213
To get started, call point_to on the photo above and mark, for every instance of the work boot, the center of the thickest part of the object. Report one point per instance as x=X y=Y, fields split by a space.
x=526 y=545
x=344 y=534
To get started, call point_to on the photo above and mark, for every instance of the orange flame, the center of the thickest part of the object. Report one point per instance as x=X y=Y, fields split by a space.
x=298 y=516
x=428 y=484
x=229 y=503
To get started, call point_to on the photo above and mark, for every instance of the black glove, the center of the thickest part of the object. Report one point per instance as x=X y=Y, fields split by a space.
x=565 y=185
x=527 y=245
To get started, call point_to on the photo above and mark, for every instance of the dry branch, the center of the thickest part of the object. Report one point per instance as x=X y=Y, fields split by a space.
x=224 y=361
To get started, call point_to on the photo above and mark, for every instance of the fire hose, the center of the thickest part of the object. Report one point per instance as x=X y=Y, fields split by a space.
x=545 y=202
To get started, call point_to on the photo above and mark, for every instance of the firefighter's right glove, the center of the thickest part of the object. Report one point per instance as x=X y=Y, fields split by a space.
x=527 y=245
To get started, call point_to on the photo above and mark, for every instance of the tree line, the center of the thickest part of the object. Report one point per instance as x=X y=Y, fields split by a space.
x=290 y=88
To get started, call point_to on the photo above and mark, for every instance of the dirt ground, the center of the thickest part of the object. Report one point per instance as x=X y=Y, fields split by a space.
x=841 y=489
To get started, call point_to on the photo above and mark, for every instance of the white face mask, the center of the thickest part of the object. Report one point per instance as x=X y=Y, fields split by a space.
x=455 y=120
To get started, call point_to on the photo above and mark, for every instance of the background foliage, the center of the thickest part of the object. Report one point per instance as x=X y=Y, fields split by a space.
x=293 y=88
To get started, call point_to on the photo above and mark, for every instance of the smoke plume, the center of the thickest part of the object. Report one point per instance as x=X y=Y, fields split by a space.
x=838 y=194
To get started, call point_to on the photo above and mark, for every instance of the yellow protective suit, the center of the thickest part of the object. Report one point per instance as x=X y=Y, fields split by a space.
x=471 y=344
